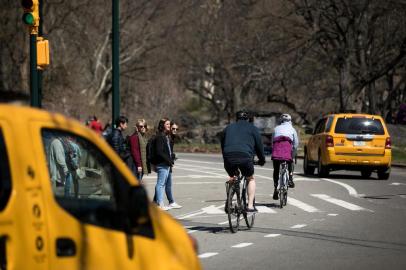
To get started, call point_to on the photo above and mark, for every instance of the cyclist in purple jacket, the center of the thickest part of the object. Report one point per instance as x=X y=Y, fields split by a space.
x=285 y=142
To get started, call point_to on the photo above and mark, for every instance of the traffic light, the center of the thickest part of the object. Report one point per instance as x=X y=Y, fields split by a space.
x=31 y=14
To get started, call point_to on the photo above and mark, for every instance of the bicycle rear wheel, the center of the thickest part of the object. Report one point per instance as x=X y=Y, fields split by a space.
x=249 y=218
x=286 y=187
x=234 y=208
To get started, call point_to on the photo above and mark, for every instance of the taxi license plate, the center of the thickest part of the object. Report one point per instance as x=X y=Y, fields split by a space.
x=359 y=143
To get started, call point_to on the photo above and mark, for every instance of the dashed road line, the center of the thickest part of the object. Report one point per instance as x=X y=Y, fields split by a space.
x=347 y=205
x=241 y=245
x=298 y=226
x=207 y=255
x=272 y=235
x=304 y=206
x=332 y=215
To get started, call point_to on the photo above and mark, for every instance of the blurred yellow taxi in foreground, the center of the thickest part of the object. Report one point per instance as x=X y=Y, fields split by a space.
x=67 y=201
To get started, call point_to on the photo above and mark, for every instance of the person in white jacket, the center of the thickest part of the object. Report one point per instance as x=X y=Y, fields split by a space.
x=285 y=130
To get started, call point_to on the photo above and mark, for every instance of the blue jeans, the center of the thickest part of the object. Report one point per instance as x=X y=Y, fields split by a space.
x=163 y=175
x=168 y=188
x=68 y=184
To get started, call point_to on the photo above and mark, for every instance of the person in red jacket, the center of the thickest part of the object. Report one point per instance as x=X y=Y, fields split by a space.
x=96 y=125
x=138 y=143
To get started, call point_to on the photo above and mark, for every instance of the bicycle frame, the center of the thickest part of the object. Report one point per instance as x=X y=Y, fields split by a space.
x=283 y=183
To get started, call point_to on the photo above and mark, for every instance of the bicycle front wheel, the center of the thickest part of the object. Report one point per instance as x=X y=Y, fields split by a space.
x=233 y=208
x=249 y=218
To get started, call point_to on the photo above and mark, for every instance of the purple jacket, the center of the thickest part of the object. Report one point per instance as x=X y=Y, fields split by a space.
x=282 y=148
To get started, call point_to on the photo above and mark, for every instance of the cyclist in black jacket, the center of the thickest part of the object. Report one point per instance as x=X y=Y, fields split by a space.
x=240 y=142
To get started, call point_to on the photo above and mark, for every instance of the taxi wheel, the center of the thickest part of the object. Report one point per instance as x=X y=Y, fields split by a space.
x=383 y=174
x=366 y=173
x=306 y=168
x=322 y=170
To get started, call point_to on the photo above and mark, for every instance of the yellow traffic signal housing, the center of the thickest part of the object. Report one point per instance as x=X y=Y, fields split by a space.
x=31 y=14
x=42 y=53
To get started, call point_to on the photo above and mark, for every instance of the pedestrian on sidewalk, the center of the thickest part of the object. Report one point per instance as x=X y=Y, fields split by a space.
x=138 y=143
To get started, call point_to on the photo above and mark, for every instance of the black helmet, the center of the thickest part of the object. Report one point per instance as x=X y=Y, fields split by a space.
x=242 y=115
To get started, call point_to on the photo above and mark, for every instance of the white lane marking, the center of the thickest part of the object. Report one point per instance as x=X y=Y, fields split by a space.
x=207 y=255
x=213 y=210
x=304 y=206
x=199 y=171
x=225 y=222
x=199 y=212
x=273 y=235
x=192 y=231
x=298 y=226
x=218 y=163
x=332 y=215
x=350 y=189
x=241 y=245
x=341 y=203
x=396 y=184
x=264 y=209
x=306 y=179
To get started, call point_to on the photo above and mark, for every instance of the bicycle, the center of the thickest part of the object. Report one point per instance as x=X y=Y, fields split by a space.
x=283 y=183
x=237 y=202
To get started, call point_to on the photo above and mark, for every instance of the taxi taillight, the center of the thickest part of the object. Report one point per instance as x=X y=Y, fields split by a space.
x=329 y=141
x=388 y=143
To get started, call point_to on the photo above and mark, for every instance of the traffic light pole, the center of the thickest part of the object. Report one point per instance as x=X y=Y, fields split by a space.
x=33 y=71
x=39 y=70
x=116 y=63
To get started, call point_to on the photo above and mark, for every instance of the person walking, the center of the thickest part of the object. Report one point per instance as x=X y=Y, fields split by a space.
x=96 y=125
x=168 y=187
x=119 y=143
x=138 y=148
x=162 y=160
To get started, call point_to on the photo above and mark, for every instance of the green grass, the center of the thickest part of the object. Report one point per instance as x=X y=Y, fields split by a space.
x=399 y=154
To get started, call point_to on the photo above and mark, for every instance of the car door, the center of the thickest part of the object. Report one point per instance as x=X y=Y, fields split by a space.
x=85 y=225
x=316 y=140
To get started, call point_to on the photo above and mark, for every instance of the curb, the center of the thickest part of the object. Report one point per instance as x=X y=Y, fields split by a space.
x=396 y=165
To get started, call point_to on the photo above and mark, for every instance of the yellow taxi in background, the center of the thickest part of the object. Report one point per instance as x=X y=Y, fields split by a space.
x=359 y=142
x=67 y=201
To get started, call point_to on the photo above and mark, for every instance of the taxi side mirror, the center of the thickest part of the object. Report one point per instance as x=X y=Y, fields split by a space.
x=138 y=207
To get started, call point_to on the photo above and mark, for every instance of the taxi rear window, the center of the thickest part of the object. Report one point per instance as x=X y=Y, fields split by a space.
x=357 y=125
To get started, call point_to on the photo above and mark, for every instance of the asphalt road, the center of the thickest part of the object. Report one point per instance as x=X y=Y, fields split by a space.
x=339 y=222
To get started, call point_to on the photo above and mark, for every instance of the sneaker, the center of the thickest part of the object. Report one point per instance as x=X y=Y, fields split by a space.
x=275 y=195
x=291 y=184
x=174 y=205
x=164 y=207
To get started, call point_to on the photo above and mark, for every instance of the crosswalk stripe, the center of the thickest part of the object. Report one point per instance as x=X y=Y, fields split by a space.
x=341 y=203
x=264 y=209
x=304 y=206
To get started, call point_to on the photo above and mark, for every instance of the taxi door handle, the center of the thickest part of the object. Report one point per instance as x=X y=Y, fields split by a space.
x=65 y=247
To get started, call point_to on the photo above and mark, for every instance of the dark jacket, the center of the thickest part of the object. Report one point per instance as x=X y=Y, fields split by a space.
x=242 y=137
x=118 y=143
x=162 y=154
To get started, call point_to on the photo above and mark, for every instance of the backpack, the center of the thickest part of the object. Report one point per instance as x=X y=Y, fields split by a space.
x=71 y=157
x=151 y=152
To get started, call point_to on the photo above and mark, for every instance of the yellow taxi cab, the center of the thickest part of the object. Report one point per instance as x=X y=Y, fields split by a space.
x=67 y=201
x=359 y=142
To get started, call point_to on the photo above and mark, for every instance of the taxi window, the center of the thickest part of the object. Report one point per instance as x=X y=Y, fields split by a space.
x=358 y=125
x=5 y=177
x=84 y=181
